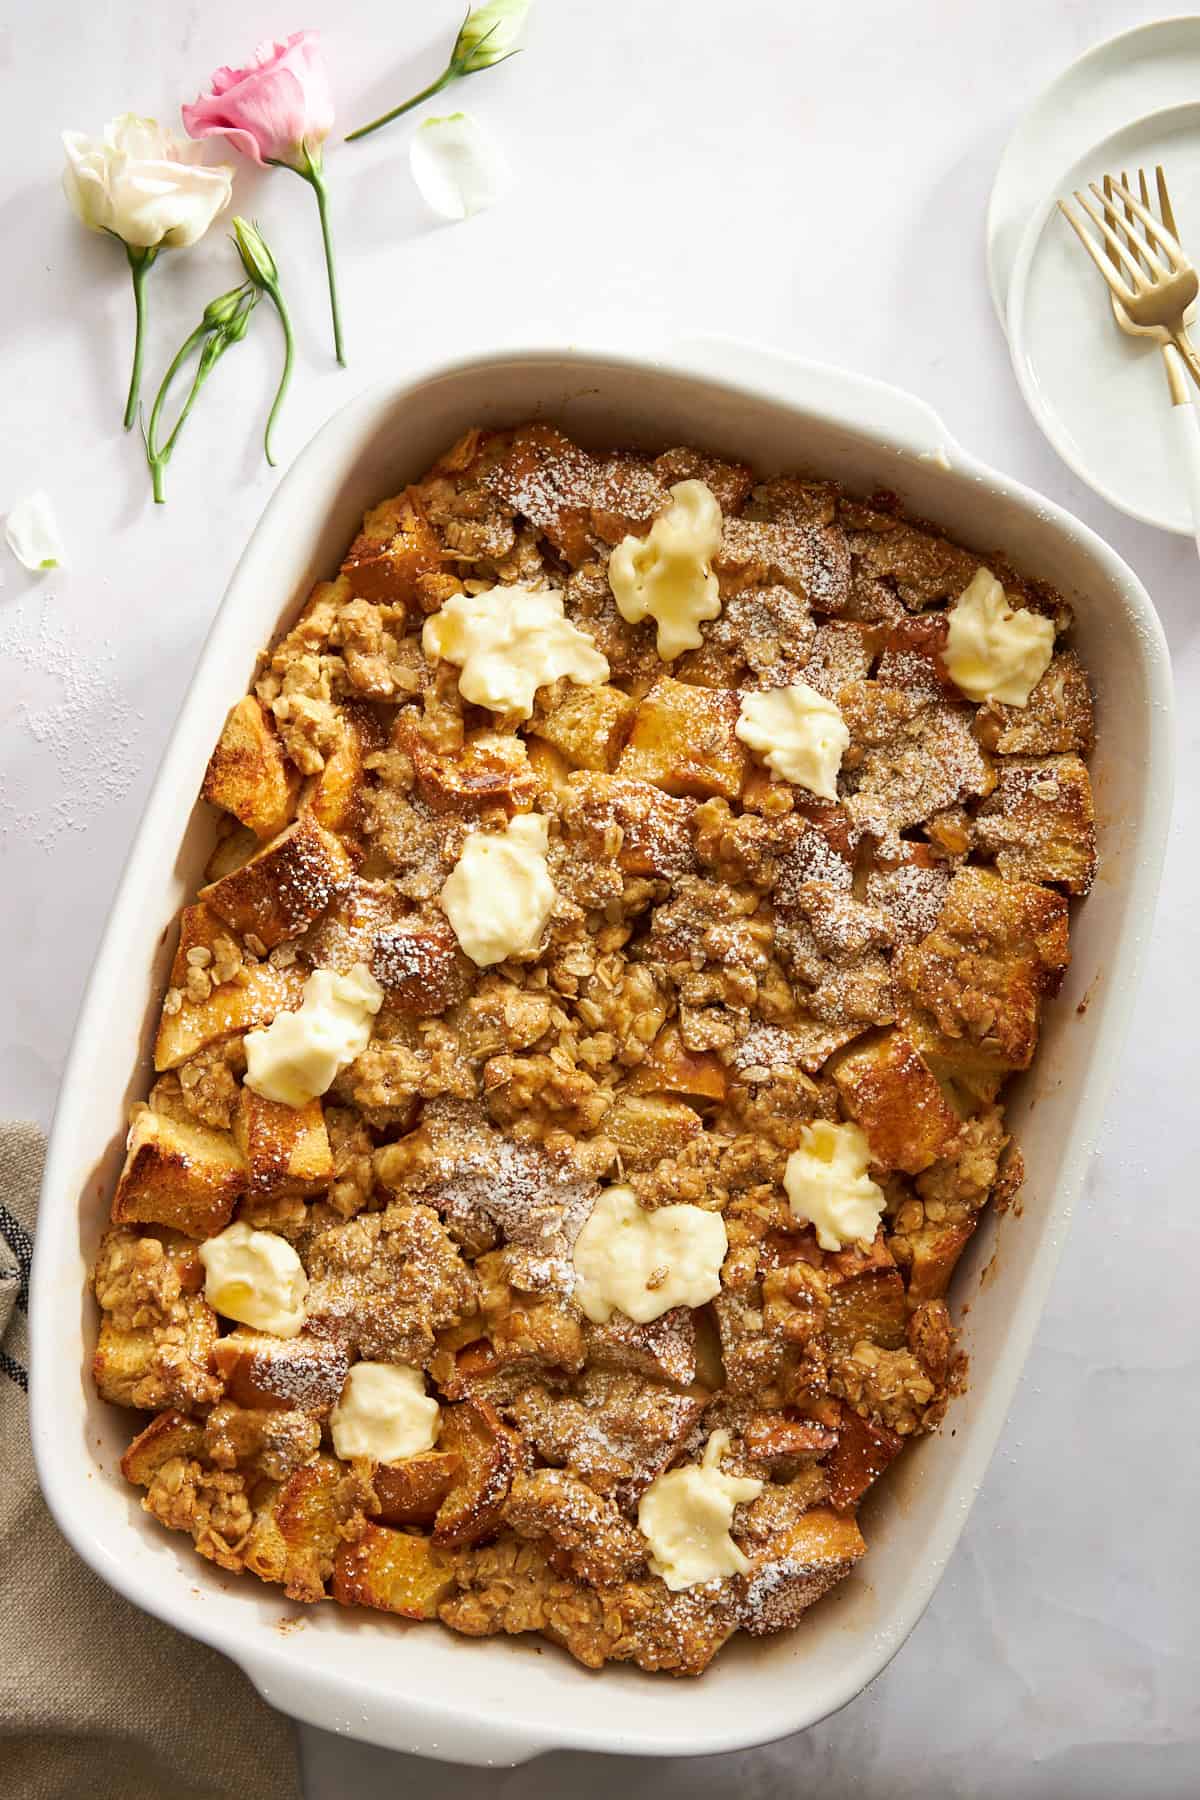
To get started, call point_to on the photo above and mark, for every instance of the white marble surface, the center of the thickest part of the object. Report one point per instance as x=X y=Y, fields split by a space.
x=690 y=166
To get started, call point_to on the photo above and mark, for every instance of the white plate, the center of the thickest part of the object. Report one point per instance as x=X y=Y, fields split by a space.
x=1153 y=66
x=1100 y=395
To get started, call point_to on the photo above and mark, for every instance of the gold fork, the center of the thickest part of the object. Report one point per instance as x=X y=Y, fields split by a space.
x=1159 y=283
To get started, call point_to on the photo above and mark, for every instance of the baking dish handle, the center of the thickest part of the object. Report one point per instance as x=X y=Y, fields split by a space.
x=313 y=1698
x=895 y=415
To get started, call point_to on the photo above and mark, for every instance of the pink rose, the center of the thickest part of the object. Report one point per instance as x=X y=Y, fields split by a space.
x=272 y=109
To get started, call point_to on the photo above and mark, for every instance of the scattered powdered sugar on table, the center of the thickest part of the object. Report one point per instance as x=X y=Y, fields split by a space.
x=84 y=750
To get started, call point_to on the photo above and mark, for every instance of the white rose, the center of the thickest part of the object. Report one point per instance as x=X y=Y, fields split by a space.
x=143 y=184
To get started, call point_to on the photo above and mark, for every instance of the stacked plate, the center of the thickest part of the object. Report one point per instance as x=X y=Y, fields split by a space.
x=1100 y=396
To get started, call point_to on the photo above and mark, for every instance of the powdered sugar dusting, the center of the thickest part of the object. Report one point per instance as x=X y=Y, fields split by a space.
x=80 y=726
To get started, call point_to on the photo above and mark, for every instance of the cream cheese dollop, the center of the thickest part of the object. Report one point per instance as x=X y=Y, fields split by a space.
x=642 y=1263
x=499 y=894
x=994 y=650
x=828 y=1186
x=384 y=1412
x=799 y=733
x=508 y=642
x=685 y=1517
x=299 y=1054
x=256 y=1278
x=667 y=575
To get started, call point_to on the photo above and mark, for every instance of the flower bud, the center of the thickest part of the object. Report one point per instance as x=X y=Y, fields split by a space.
x=223 y=309
x=489 y=34
x=236 y=329
x=257 y=260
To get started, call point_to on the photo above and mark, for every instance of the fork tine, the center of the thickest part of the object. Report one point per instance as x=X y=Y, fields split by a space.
x=1159 y=271
x=1158 y=234
x=1164 y=201
x=1132 y=241
x=1107 y=269
x=1144 y=190
x=1141 y=285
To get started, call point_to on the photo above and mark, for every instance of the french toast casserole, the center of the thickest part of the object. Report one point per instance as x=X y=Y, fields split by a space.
x=634 y=882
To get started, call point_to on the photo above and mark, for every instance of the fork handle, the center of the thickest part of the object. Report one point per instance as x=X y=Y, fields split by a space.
x=1187 y=435
x=1186 y=426
x=1187 y=351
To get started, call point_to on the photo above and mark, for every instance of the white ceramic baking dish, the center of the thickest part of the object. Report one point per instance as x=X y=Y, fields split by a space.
x=415 y=1687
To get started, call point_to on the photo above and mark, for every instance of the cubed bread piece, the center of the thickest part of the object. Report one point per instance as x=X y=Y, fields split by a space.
x=684 y=740
x=249 y=775
x=930 y=762
x=396 y=546
x=671 y=1068
x=168 y=1435
x=411 y=1491
x=1040 y=825
x=550 y=481
x=662 y=1350
x=235 y=844
x=629 y=493
x=491 y=769
x=811 y=559
x=587 y=724
x=841 y=652
x=421 y=966
x=785 y=1443
x=614 y=1428
x=911 y=659
x=973 y=988
x=490 y=1455
x=590 y=1533
x=929 y=1257
x=653 y=831
x=149 y=1366
x=863 y=1451
x=180 y=1175
x=647 y=1127
x=549 y=768
x=910 y=889
x=799 y=1565
x=286 y=886
x=731 y=482
x=253 y=994
x=868 y=1306
x=525 y=1321
x=920 y=567
x=888 y=1089
x=286 y=1147
x=1057 y=719
x=295 y=1536
x=261 y=1370
x=393 y=1571
x=334 y=796
x=347 y=933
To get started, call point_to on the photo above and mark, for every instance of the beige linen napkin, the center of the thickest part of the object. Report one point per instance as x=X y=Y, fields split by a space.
x=96 y=1698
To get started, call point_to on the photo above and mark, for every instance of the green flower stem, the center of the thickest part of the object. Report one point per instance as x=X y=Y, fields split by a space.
x=214 y=339
x=158 y=458
x=140 y=263
x=315 y=176
x=435 y=87
x=208 y=356
x=288 y=354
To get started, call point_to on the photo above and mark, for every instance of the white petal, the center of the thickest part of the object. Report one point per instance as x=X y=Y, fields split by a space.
x=31 y=532
x=459 y=169
x=144 y=183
